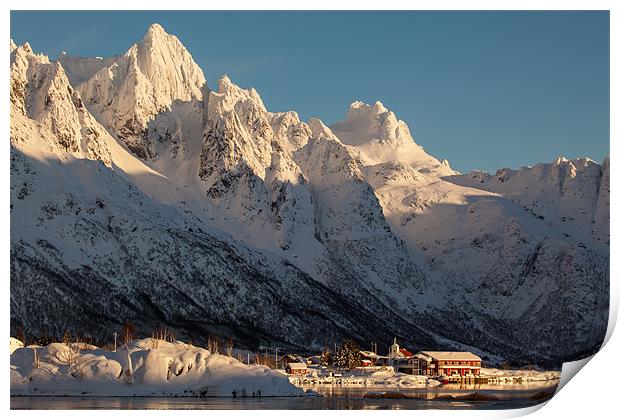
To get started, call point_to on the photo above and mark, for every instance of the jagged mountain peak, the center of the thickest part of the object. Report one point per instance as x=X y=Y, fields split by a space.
x=155 y=29
x=381 y=137
x=359 y=108
x=224 y=83
x=127 y=92
x=25 y=51
x=51 y=110
x=163 y=58
x=366 y=123
x=320 y=130
x=289 y=130
x=230 y=96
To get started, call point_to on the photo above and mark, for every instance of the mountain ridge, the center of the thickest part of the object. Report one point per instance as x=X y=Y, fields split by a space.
x=355 y=212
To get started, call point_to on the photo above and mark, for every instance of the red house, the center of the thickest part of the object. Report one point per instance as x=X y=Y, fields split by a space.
x=449 y=363
x=296 y=368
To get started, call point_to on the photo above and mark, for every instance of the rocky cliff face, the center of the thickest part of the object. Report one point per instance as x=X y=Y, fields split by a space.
x=128 y=90
x=138 y=193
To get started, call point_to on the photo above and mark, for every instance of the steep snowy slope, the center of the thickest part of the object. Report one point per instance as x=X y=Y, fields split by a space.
x=499 y=269
x=138 y=194
x=40 y=91
x=573 y=195
x=290 y=200
x=117 y=243
x=351 y=224
x=91 y=251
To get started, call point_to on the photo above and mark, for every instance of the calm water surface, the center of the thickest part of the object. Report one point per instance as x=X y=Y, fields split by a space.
x=335 y=397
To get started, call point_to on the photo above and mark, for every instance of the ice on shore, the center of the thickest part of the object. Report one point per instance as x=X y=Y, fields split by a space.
x=522 y=374
x=402 y=380
x=145 y=367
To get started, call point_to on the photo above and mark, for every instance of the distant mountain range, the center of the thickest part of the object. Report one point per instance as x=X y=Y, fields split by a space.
x=139 y=193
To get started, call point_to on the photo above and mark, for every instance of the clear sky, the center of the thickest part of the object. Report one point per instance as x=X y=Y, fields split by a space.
x=483 y=89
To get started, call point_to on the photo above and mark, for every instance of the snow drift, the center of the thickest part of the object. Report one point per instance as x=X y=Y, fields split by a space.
x=145 y=367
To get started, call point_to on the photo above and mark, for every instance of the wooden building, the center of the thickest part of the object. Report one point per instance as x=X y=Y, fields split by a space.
x=447 y=363
x=290 y=358
x=296 y=368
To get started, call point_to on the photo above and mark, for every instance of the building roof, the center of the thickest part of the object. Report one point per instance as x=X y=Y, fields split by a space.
x=424 y=357
x=297 y=366
x=449 y=355
x=290 y=356
x=405 y=352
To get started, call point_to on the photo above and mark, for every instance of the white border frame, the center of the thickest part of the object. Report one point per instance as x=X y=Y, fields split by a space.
x=591 y=395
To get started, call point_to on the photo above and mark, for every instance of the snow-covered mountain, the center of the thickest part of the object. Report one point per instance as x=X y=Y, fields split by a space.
x=128 y=90
x=137 y=193
x=572 y=195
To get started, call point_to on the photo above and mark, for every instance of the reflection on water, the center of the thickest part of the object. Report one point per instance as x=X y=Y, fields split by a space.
x=335 y=397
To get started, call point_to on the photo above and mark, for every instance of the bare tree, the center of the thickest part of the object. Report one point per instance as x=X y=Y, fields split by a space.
x=164 y=333
x=264 y=360
x=213 y=345
x=66 y=338
x=229 y=347
x=128 y=332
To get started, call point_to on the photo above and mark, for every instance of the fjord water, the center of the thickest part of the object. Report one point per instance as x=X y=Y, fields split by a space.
x=334 y=397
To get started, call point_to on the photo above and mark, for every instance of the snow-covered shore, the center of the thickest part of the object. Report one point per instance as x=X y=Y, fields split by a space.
x=369 y=379
x=387 y=378
x=524 y=375
x=147 y=367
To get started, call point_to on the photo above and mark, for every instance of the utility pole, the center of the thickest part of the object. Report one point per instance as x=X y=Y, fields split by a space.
x=248 y=357
x=276 y=358
x=115 y=341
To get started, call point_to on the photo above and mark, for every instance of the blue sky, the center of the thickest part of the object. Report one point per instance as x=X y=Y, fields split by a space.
x=483 y=89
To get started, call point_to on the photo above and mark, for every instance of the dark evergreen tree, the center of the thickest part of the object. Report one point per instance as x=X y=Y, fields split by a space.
x=348 y=355
x=326 y=357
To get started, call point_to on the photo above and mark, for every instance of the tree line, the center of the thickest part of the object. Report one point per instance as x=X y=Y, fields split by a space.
x=346 y=355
